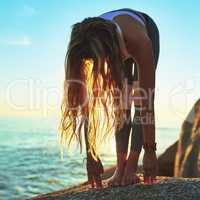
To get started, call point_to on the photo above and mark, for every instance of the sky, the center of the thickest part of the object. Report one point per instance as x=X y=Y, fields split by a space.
x=33 y=41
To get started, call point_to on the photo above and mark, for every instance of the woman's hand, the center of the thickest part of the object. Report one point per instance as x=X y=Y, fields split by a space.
x=150 y=165
x=94 y=171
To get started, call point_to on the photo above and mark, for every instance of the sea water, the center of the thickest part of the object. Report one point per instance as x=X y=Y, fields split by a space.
x=30 y=161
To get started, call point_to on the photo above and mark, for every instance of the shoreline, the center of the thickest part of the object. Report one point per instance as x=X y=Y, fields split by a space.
x=167 y=188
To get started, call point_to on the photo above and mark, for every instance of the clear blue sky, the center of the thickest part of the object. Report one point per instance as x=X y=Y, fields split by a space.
x=33 y=41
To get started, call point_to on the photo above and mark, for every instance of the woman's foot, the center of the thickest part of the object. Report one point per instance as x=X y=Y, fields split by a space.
x=115 y=180
x=129 y=176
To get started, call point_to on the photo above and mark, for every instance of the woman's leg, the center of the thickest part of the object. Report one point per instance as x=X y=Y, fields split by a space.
x=154 y=35
x=128 y=170
x=122 y=139
x=137 y=131
x=137 y=134
x=122 y=135
x=130 y=176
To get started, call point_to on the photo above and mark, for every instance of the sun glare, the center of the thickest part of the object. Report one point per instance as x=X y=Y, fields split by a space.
x=100 y=123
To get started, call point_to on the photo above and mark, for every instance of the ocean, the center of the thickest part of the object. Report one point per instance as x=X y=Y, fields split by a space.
x=31 y=163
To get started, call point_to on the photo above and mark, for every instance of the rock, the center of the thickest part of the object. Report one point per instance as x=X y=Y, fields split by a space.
x=187 y=161
x=181 y=159
x=167 y=188
x=167 y=161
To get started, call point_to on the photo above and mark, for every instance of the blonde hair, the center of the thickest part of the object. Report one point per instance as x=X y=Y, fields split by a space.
x=93 y=79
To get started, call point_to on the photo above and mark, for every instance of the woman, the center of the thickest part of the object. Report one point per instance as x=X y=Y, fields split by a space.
x=116 y=39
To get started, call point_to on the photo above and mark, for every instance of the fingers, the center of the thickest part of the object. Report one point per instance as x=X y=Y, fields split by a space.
x=147 y=171
x=95 y=181
x=149 y=176
x=98 y=182
x=91 y=182
x=148 y=180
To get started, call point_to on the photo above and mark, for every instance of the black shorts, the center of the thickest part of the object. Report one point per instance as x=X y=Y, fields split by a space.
x=153 y=33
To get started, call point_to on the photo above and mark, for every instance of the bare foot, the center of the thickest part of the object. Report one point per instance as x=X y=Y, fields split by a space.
x=129 y=176
x=115 y=180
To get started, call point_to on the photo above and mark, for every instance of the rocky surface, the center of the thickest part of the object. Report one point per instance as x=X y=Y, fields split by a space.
x=166 y=189
x=187 y=161
x=167 y=161
x=181 y=159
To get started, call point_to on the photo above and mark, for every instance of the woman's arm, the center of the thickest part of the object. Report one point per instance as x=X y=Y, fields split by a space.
x=94 y=167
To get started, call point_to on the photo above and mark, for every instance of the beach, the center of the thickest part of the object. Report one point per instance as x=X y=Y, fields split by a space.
x=31 y=162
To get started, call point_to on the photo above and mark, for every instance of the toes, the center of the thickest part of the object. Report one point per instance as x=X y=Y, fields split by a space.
x=116 y=184
x=136 y=179
x=128 y=180
x=148 y=180
x=123 y=181
x=113 y=183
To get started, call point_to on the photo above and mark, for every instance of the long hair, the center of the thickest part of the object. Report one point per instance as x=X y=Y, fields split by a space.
x=93 y=79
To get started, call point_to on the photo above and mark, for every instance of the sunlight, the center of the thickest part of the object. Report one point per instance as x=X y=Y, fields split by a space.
x=101 y=123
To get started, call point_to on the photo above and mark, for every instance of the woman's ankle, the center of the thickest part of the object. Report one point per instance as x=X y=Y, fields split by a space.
x=121 y=160
x=134 y=154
